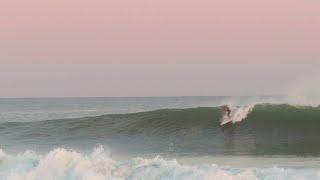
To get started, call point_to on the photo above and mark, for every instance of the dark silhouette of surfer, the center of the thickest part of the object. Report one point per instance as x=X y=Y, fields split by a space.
x=227 y=110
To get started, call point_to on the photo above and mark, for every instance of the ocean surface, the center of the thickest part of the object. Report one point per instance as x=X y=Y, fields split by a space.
x=268 y=137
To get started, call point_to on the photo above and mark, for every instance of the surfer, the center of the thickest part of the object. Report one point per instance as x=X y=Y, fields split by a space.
x=227 y=110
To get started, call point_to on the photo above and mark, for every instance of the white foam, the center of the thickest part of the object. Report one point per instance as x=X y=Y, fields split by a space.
x=68 y=164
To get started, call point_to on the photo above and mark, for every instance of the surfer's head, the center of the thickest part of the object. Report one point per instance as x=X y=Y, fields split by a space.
x=226 y=109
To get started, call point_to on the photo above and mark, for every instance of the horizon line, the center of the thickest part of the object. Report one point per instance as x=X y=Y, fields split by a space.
x=151 y=96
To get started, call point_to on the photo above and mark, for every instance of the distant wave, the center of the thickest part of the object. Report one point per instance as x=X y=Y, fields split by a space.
x=257 y=129
x=66 y=164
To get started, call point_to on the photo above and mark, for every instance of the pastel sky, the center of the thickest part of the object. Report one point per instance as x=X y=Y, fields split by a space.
x=156 y=47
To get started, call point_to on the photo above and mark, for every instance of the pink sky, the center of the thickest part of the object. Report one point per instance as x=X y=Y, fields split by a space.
x=145 y=47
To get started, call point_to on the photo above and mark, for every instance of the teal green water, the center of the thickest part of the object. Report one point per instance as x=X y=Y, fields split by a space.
x=269 y=129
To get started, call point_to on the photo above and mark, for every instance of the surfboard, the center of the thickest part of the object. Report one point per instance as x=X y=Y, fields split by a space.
x=226 y=121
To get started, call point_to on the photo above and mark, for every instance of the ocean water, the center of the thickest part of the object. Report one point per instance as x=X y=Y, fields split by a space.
x=159 y=138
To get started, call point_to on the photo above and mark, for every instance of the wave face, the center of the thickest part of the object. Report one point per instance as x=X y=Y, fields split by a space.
x=70 y=165
x=263 y=129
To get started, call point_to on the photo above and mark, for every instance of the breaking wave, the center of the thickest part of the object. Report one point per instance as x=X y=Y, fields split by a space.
x=256 y=129
x=63 y=164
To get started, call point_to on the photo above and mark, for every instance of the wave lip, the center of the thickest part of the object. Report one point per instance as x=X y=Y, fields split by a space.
x=63 y=164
